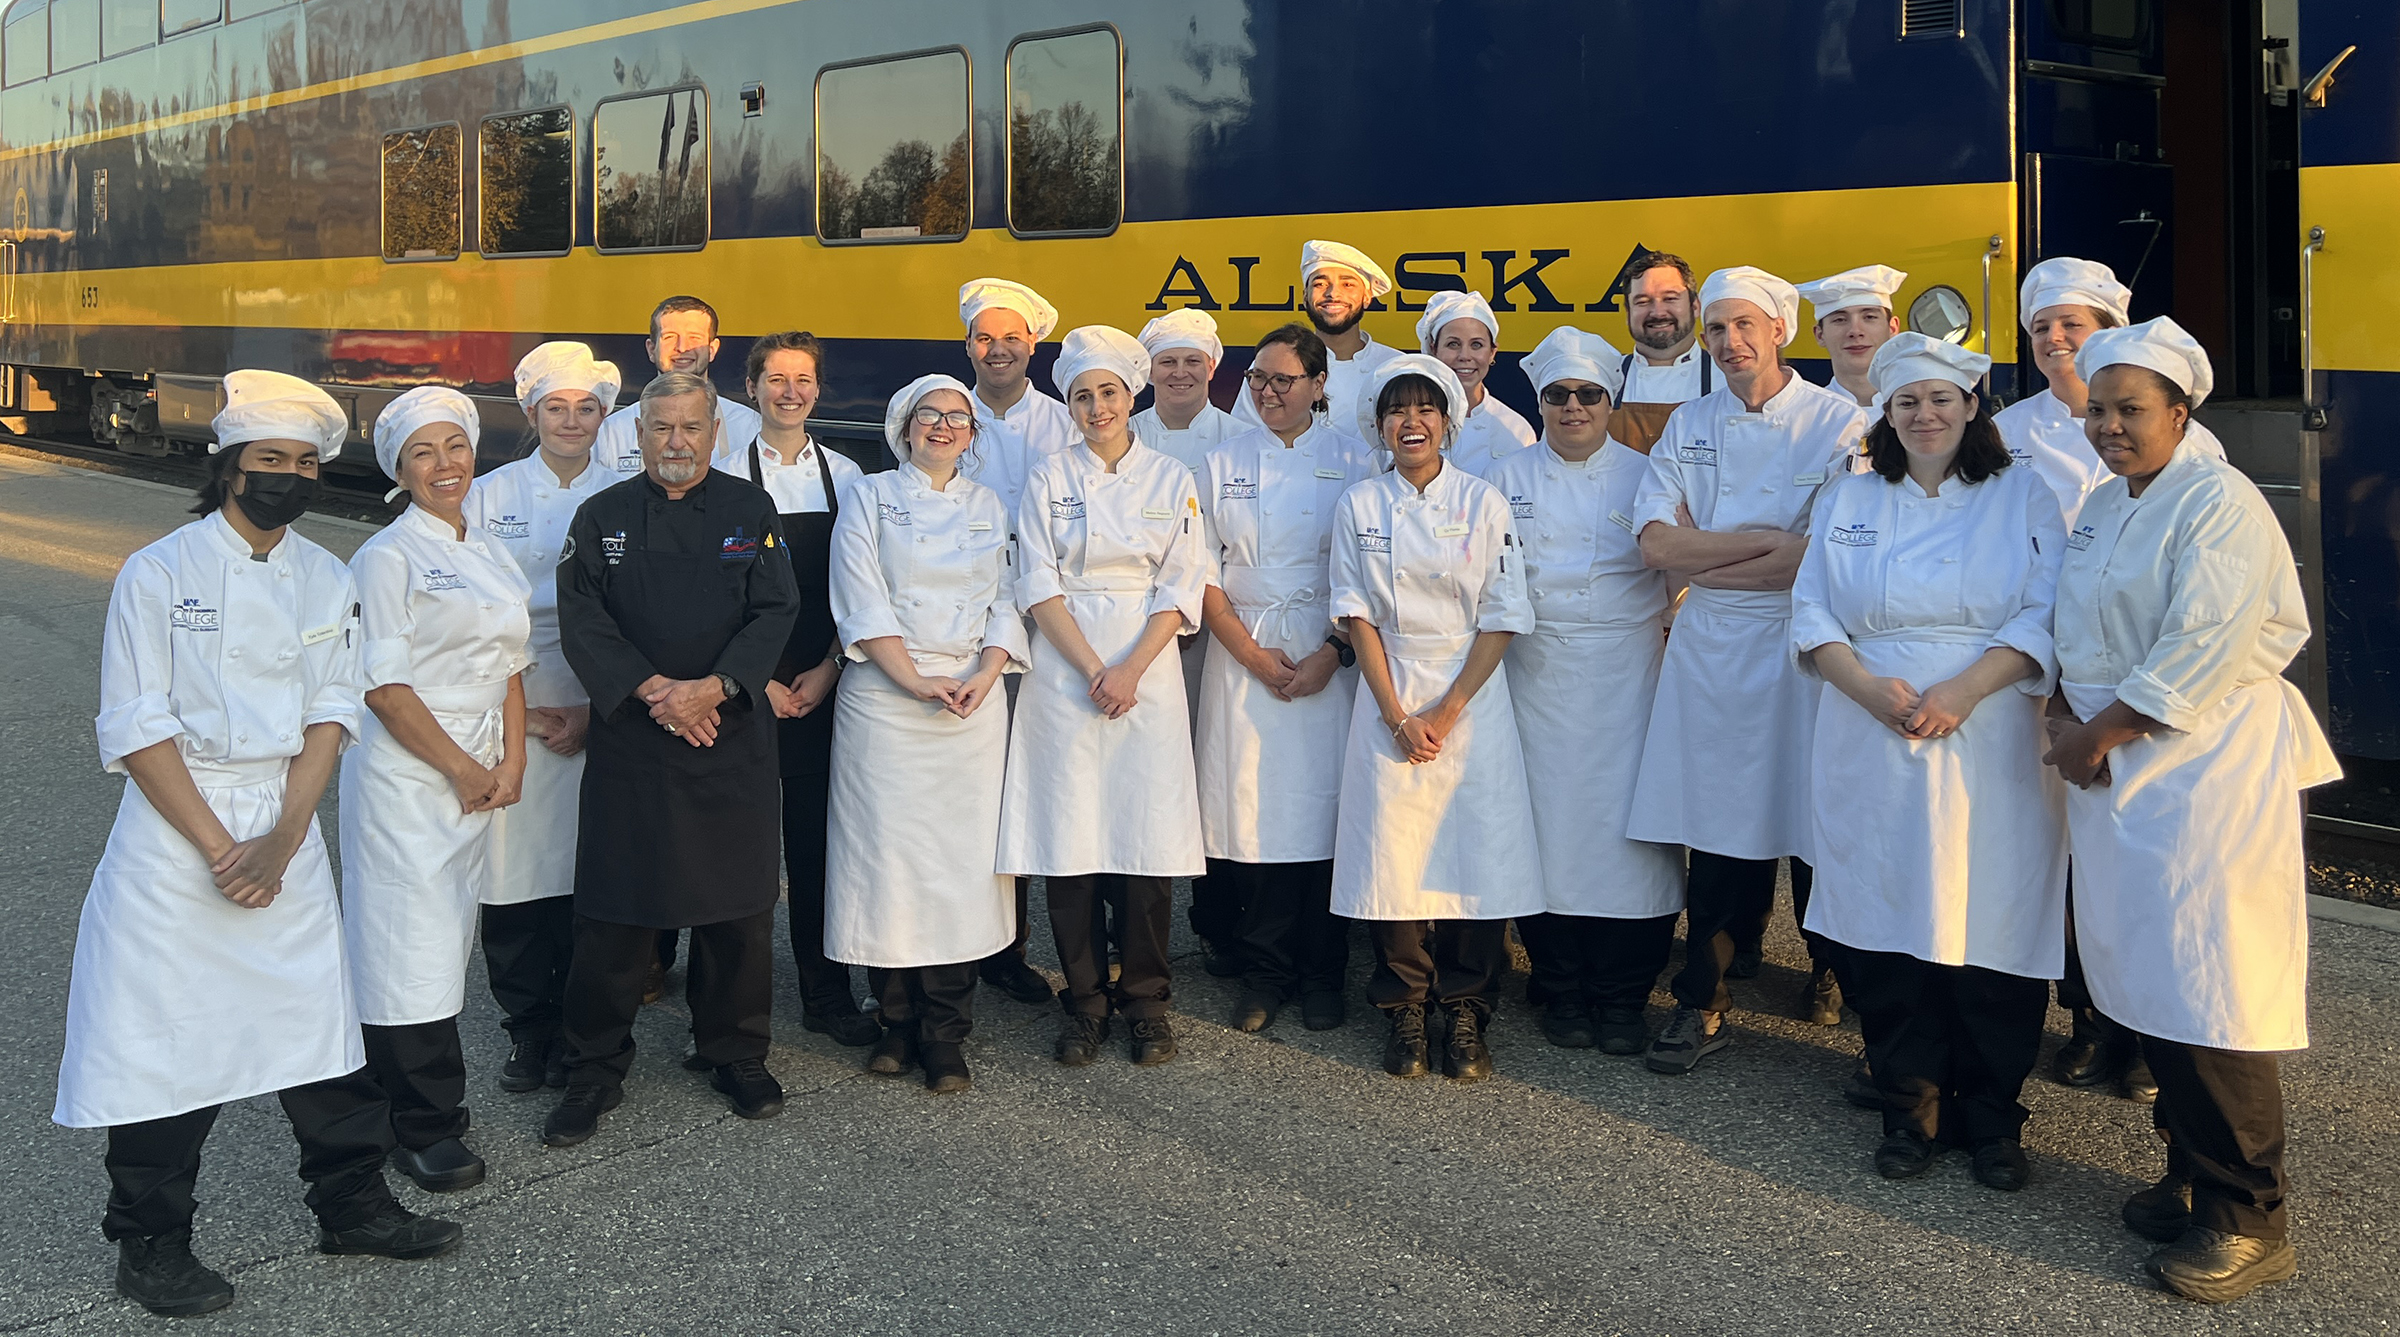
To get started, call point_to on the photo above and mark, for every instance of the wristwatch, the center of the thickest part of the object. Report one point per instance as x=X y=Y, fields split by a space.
x=726 y=684
x=1342 y=650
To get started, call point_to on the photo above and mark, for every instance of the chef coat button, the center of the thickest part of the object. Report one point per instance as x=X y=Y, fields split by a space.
x=241 y=738
x=1726 y=490
x=1949 y=559
x=283 y=738
x=485 y=607
x=234 y=653
x=539 y=555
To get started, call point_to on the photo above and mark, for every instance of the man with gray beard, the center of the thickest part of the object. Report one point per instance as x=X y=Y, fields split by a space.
x=675 y=599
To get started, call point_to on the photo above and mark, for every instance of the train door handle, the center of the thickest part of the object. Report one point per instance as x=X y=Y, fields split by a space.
x=2312 y=414
x=8 y=280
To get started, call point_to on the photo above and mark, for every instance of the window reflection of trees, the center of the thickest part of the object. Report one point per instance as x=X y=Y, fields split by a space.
x=641 y=207
x=527 y=161
x=912 y=192
x=420 y=194
x=1062 y=168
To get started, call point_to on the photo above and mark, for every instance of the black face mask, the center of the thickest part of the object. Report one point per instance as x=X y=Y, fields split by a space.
x=272 y=501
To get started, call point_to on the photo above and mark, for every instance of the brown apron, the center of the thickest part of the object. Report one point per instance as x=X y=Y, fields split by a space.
x=1641 y=425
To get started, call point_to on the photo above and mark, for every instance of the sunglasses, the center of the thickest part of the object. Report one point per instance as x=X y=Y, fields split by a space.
x=1589 y=396
x=956 y=419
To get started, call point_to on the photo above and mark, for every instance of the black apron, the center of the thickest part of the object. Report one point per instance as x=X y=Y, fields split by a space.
x=805 y=745
x=686 y=835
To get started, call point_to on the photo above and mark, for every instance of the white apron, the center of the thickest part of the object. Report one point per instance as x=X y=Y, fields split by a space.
x=915 y=799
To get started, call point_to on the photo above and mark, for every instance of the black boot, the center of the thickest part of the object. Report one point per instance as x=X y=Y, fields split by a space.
x=945 y=1066
x=160 y=1275
x=896 y=1052
x=1404 y=1052
x=1465 y=1058
x=2085 y=1059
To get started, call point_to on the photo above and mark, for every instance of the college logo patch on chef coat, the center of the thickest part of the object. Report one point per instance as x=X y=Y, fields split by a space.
x=1696 y=452
x=1373 y=540
x=2081 y=538
x=190 y=616
x=1856 y=536
x=1067 y=508
x=507 y=527
x=738 y=544
x=612 y=547
x=1520 y=508
x=1238 y=489
x=437 y=579
x=895 y=515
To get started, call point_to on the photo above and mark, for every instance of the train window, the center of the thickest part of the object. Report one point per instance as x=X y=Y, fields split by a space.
x=525 y=174
x=1066 y=121
x=650 y=172
x=25 y=42
x=2121 y=25
x=893 y=159
x=420 y=194
x=127 y=25
x=74 y=34
x=181 y=16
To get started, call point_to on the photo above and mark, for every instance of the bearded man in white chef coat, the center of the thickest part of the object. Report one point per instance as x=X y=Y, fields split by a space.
x=1667 y=366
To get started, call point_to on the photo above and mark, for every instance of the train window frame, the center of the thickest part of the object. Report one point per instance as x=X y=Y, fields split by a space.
x=16 y=16
x=708 y=181
x=383 y=194
x=255 y=8
x=190 y=25
x=115 y=10
x=2141 y=43
x=1008 y=103
x=816 y=149
x=574 y=163
x=93 y=58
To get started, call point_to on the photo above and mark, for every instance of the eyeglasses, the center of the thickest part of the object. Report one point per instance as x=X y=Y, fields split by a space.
x=1280 y=384
x=1588 y=396
x=955 y=419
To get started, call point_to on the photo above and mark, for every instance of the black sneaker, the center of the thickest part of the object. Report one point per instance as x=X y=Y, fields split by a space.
x=2000 y=1163
x=394 y=1232
x=896 y=1052
x=1255 y=1010
x=753 y=1090
x=1905 y=1154
x=1153 y=1041
x=1746 y=963
x=1223 y=962
x=844 y=1023
x=2213 y=1267
x=1404 y=1052
x=1688 y=1037
x=445 y=1167
x=1323 y=1009
x=945 y=1067
x=1080 y=1039
x=577 y=1116
x=2136 y=1083
x=160 y=1275
x=1621 y=1030
x=1465 y=1057
x=554 y=1064
x=2162 y=1211
x=1824 y=1004
x=528 y=1065
x=1009 y=974
x=1567 y=1023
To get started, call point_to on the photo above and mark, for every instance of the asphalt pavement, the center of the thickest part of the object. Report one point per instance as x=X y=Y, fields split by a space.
x=1268 y=1184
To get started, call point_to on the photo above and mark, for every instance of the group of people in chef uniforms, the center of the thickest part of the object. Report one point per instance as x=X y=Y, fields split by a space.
x=1941 y=661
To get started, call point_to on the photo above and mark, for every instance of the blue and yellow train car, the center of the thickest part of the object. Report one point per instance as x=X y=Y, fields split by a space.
x=380 y=194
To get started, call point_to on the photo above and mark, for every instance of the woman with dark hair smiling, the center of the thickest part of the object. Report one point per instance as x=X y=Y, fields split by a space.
x=2178 y=610
x=1435 y=846
x=1924 y=598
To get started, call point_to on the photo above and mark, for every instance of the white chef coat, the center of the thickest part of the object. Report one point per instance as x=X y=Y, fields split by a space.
x=1951 y=850
x=1038 y=420
x=1676 y=382
x=2041 y=432
x=181 y=999
x=1725 y=764
x=1085 y=793
x=1582 y=680
x=913 y=820
x=2190 y=882
x=450 y=619
x=619 y=446
x=1270 y=771
x=1492 y=432
x=1454 y=837
x=796 y=485
x=1210 y=427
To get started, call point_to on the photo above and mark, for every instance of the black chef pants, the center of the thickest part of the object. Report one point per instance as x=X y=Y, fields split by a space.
x=423 y=1074
x=938 y=1000
x=344 y=1129
x=2221 y=1111
x=2073 y=994
x=1079 y=912
x=1450 y=961
x=1218 y=900
x=526 y=948
x=1605 y=962
x=1723 y=898
x=1950 y=1046
x=1750 y=934
x=729 y=984
x=1290 y=940
x=1015 y=950
x=824 y=984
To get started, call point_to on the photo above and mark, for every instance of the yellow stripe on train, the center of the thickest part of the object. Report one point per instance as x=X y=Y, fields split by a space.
x=1552 y=263
x=2357 y=284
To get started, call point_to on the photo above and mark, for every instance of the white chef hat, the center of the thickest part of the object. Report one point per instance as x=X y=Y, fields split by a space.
x=1315 y=255
x=1448 y=306
x=2161 y=345
x=1909 y=357
x=1867 y=285
x=1100 y=348
x=1410 y=364
x=1567 y=353
x=560 y=365
x=270 y=406
x=402 y=417
x=895 y=414
x=1771 y=294
x=1187 y=328
x=977 y=296
x=2065 y=281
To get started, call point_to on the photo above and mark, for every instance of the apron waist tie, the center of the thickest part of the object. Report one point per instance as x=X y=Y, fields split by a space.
x=235 y=774
x=1103 y=585
x=1430 y=647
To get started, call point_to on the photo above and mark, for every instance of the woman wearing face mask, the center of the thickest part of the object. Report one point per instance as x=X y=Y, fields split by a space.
x=1925 y=601
x=208 y=963
x=1100 y=769
x=1582 y=681
x=523 y=510
x=444 y=622
x=1436 y=845
x=924 y=592
x=2178 y=610
x=1459 y=330
x=1275 y=697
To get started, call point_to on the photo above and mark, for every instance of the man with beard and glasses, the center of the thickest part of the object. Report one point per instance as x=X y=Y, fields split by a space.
x=683 y=337
x=675 y=603
x=1667 y=366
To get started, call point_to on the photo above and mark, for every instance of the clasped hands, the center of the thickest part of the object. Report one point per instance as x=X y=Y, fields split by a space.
x=1917 y=716
x=1290 y=681
x=1419 y=736
x=685 y=707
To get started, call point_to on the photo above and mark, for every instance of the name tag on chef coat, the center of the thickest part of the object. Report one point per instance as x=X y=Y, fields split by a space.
x=1809 y=479
x=1457 y=530
x=1330 y=473
x=1158 y=513
x=1857 y=536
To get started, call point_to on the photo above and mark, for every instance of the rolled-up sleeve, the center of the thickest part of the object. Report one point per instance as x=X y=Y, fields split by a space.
x=330 y=655
x=1662 y=489
x=1037 y=547
x=1003 y=623
x=2030 y=629
x=1503 y=605
x=386 y=625
x=1183 y=569
x=2223 y=587
x=1347 y=574
x=861 y=598
x=1813 y=622
x=137 y=664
